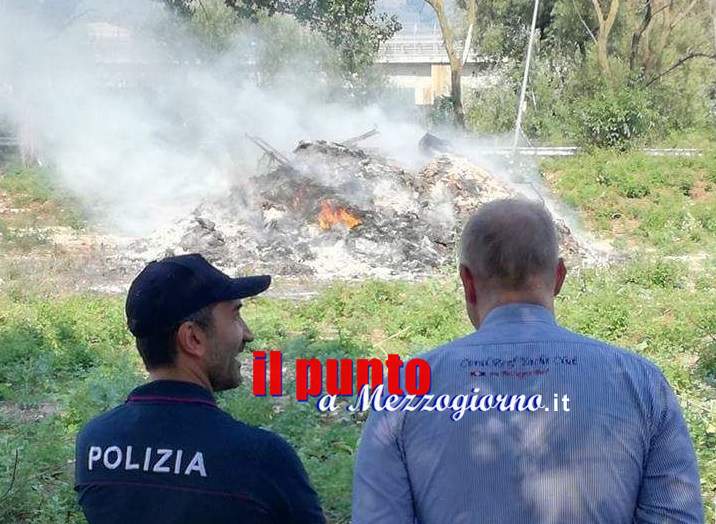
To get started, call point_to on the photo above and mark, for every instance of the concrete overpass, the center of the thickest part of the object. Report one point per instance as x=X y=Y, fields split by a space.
x=419 y=62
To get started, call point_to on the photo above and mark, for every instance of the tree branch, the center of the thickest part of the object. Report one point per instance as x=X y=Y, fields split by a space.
x=679 y=63
x=683 y=15
x=581 y=19
x=600 y=14
x=646 y=21
x=612 y=15
x=471 y=18
x=439 y=8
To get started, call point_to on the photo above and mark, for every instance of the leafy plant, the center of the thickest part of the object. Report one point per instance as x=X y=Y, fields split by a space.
x=615 y=118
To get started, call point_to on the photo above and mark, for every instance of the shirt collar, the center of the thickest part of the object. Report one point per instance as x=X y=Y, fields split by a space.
x=172 y=391
x=517 y=313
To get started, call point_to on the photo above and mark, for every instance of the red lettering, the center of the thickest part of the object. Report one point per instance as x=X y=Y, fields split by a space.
x=339 y=375
x=394 y=363
x=345 y=385
x=303 y=388
x=417 y=377
x=259 y=373
x=275 y=380
x=375 y=366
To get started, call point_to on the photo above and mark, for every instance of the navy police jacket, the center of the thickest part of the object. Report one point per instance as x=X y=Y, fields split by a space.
x=169 y=454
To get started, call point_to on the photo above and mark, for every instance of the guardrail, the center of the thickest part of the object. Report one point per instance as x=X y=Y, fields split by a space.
x=573 y=150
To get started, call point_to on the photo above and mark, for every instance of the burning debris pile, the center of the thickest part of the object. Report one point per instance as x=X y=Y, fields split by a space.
x=337 y=211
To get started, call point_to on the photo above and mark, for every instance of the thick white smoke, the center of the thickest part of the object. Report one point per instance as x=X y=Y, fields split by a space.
x=143 y=124
x=138 y=121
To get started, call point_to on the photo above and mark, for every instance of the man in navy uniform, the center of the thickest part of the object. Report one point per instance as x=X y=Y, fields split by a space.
x=169 y=454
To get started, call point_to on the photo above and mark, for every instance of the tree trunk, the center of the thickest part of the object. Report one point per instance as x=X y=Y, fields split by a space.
x=636 y=37
x=602 y=53
x=713 y=19
x=605 y=29
x=456 y=94
x=453 y=54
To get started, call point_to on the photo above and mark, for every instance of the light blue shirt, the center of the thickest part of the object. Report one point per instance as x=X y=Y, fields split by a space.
x=618 y=451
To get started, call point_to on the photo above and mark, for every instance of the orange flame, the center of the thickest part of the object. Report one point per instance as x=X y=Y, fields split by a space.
x=331 y=215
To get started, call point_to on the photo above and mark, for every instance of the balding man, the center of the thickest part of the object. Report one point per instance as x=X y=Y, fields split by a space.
x=583 y=431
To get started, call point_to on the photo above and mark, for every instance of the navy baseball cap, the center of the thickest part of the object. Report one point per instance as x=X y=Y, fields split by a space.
x=169 y=290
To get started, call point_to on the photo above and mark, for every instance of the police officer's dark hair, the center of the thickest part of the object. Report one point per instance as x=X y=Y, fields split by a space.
x=160 y=350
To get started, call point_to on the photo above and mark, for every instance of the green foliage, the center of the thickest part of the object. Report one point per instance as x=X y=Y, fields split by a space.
x=660 y=202
x=30 y=185
x=281 y=46
x=352 y=27
x=211 y=20
x=54 y=352
x=615 y=118
x=42 y=491
x=43 y=200
x=493 y=109
x=569 y=99
x=442 y=113
x=650 y=306
x=44 y=341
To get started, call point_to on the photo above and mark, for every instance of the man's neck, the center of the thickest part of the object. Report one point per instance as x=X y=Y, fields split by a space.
x=514 y=298
x=181 y=375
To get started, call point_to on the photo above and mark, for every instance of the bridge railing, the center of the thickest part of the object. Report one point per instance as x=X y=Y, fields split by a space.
x=417 y=48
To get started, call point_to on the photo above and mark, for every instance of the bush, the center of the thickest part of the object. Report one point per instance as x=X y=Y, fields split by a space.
x=442 y=112
x=568 y=99
x=493 y=110
x=613 y=118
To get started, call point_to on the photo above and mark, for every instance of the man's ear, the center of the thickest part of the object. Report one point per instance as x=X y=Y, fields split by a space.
x=191 y=339
x=559 y=275
x=468 y=284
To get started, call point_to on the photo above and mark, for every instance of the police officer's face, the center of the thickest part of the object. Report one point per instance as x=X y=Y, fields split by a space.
x=227 y=339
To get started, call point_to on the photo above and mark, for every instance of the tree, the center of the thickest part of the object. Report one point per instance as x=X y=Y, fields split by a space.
x=713 y=20
x=453 y=48
x=657 y=31
x=351 y=26
x=354 y=27
x=606 y=16
x=650 y=36
x=503 y=27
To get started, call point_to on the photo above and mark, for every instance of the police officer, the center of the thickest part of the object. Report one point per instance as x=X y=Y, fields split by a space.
x=169 y=454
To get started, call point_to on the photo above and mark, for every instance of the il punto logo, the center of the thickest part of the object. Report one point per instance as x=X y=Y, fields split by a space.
x=340 y=375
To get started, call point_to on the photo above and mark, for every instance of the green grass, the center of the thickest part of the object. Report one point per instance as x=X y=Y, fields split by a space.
x=39 y=202
x=664 y=203
x=76 y=353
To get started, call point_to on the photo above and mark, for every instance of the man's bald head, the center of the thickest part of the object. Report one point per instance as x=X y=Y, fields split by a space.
x=511 y=244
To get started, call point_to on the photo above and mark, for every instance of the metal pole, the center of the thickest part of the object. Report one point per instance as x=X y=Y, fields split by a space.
x=518 y=124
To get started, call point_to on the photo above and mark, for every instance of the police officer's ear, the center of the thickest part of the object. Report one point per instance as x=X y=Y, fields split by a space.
x=192 y=339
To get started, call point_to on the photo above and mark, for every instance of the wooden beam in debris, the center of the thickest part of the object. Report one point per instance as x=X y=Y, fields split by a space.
x=354 y=140
x=270 y=150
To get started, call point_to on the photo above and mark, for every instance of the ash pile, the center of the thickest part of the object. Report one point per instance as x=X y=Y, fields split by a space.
x=336 y=210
